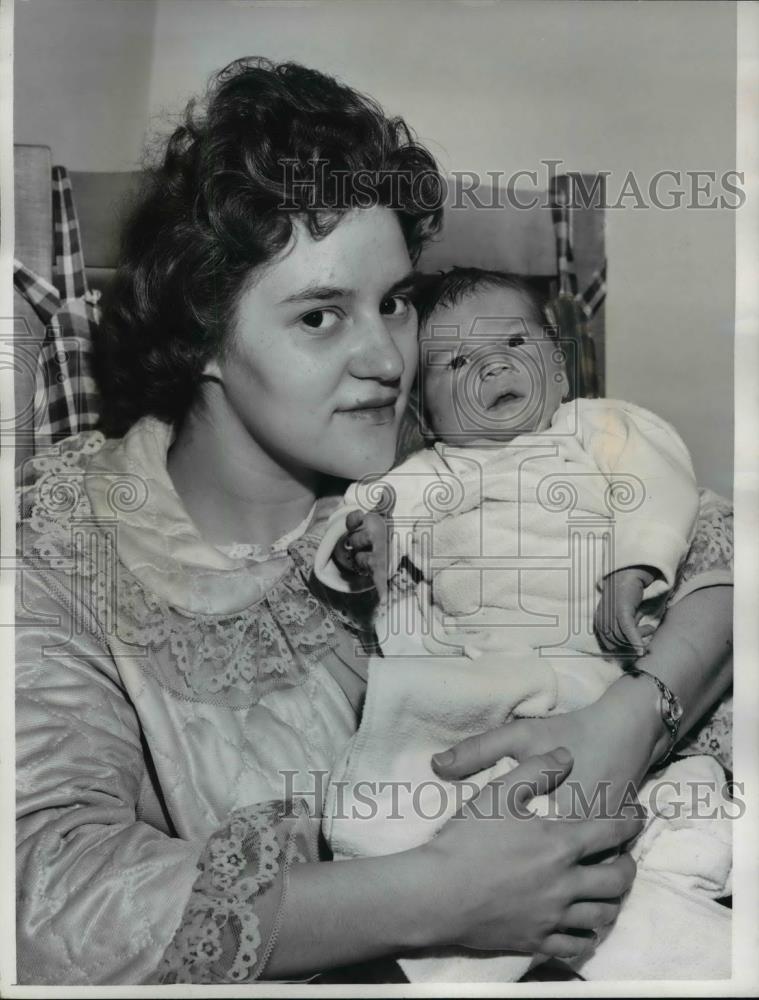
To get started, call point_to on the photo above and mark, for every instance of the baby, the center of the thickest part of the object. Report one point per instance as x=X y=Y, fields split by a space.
x=515 y=475
x=544 y=536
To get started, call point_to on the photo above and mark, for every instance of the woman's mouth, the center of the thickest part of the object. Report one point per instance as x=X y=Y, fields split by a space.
x=380 y=411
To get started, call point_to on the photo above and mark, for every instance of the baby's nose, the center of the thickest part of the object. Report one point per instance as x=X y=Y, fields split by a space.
x=495 y=368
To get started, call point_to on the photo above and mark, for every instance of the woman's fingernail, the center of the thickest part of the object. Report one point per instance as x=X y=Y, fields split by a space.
x=443 y=759
x=562 y=755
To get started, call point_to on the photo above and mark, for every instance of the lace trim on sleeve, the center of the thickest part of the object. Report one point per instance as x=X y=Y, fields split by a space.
x=710 y=560
x=223 y=936
x=712 y=545
x=714 y=736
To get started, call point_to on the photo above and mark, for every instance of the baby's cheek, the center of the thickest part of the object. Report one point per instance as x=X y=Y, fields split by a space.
x=436 y=401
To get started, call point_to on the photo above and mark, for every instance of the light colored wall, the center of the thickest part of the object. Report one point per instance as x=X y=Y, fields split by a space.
x=501 y=86
x=82 y=79
x=615 y=86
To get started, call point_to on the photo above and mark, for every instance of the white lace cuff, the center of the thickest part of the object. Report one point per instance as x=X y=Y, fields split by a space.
x=230 y=925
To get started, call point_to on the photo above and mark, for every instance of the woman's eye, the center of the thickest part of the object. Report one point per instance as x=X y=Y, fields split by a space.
x=320 y=319
x=459 y=361
x=516 y=341
x=397 y=306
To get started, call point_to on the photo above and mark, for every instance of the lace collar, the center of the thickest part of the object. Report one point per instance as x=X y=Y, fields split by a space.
x=260 y=553
x=127 y=479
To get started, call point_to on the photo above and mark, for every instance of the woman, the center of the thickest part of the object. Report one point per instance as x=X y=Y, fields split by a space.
x=177 y=671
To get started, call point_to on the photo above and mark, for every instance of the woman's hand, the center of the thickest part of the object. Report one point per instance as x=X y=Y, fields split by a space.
x=613 y=743
x=508 y=880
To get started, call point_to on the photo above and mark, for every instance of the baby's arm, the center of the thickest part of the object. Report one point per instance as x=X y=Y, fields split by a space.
x=617 y=618
x=335 y=563
x=363 y=549
x=634 y=447
x=360 y=549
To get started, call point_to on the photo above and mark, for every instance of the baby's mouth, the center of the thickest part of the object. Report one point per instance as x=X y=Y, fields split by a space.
x=504 y=399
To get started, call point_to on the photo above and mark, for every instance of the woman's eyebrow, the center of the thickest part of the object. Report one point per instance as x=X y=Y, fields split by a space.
x=318 y=292
x=406 y=283
x=321 y=293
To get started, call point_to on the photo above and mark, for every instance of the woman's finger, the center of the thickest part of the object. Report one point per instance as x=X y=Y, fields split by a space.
x=595 y=836
x=609 y=880
x=589 y=916
x=538 y=775
x=511 y=792
x=567 y=945
x=475 y=753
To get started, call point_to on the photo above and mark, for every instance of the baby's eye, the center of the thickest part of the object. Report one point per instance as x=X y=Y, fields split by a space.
x=516 y=341
x=396 y=306
x=458 y=362
x=320 y=319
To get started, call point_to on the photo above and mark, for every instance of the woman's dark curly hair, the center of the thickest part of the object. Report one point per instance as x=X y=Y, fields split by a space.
x=269 y=145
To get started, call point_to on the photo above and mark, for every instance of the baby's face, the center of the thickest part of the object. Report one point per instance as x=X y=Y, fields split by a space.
x=489 y=370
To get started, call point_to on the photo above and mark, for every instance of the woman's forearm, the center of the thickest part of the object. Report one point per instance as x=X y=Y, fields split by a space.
x=342 y=912
x=496 y=878
x=691 y=653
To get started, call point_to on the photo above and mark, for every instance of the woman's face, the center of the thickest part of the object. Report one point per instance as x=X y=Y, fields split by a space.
x=320 y=364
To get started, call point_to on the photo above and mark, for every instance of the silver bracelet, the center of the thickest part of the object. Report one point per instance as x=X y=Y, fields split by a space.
x=670 y=707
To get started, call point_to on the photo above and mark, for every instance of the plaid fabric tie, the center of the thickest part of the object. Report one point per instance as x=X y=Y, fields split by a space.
x=43 y=297
x=66 y=399
x=565 y=261
x=573 y=310
x=69 y=264
x=590 y=300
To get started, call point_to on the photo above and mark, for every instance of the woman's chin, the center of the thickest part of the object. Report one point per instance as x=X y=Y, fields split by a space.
x=354 y=450
x=366 y=462
x=360 y=469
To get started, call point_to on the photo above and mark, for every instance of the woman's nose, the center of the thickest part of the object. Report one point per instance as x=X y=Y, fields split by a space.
x=376 y=353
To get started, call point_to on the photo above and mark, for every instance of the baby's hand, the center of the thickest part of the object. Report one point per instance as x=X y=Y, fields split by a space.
x=363 y=549
x=617 y=616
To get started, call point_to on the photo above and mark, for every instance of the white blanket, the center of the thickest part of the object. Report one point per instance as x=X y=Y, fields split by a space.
x=384 y=797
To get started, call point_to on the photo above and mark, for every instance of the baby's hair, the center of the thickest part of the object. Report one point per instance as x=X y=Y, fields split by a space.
x=446 y=288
